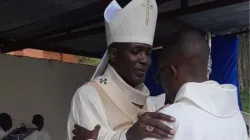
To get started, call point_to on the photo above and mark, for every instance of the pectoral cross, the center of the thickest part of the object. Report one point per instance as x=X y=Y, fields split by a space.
x=148 y=7
x=103 y=81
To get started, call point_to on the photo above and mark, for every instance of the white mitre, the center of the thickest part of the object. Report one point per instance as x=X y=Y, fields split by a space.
x=134 y=23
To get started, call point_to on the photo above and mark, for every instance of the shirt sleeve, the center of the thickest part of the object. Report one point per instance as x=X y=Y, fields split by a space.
x=87 y=111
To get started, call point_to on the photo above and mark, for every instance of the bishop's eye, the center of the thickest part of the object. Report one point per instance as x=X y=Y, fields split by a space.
x=135 y=51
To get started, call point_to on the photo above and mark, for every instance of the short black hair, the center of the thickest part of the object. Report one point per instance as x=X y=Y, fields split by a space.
x=38 y=120
x=5 y=121
x=186 y=47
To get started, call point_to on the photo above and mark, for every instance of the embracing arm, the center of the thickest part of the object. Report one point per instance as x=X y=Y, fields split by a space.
x=87 y=111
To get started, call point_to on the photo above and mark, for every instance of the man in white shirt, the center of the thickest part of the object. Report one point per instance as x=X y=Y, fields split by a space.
x=40 y=133
x=116 y=95
x=204 y=110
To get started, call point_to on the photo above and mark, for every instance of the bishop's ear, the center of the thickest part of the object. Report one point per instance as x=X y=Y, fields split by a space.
x=112 y=51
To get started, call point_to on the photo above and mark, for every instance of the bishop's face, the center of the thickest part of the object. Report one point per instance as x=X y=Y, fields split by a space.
x=131 y=61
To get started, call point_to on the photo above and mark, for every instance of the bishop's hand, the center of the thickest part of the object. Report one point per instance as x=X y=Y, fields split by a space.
x=150 y=125
x=82 y=133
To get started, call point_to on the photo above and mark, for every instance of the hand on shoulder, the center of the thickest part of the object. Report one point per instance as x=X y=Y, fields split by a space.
x=82 y=133
x=150 y=125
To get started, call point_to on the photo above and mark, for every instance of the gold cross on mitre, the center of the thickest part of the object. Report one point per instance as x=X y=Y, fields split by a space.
x=148 y=7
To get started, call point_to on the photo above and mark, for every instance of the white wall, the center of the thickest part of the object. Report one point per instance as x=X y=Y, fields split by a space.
x=29 y=86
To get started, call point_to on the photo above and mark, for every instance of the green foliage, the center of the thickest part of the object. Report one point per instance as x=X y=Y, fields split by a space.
x=88 y=61
x=245 y=99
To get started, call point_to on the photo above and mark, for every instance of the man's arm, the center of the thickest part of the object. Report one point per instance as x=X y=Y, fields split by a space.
x=87 y=111
x=137 y=131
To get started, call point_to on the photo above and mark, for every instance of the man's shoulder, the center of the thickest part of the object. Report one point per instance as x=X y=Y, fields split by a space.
x=88 y=91
x=179 y=110
x=90 y=88
x=86 y=87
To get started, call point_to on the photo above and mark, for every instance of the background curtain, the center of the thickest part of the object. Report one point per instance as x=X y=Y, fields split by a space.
x=154 y=88
x=224 y=54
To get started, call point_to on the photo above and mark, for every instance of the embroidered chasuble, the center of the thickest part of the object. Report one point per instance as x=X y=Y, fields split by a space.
x=108 y=101
x=206 y=111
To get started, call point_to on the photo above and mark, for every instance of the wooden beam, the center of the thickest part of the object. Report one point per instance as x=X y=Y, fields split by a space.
x=197 y=8
x=86 y=23
x=123 y=3
x=74 y=35
x=10 y=46
x=160 y=2
x=92 y=31
x=71 y=51
x=237 y=32
x=184 y=4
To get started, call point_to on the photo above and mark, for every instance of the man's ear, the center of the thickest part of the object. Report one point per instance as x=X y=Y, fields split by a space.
x=173 y=71
x=112 y=51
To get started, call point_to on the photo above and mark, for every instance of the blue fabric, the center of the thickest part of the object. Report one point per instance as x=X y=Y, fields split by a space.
x=154 y=88
x=224 y=54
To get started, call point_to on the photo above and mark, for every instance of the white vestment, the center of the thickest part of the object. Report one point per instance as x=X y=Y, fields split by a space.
x=3 y=133
x=207 y=111
x=108 y=101
x=38 y=135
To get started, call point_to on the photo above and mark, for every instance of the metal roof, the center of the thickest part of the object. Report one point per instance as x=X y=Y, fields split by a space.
x=76 y=26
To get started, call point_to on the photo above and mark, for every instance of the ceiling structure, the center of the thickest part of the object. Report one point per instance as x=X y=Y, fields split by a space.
x=76 y=26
